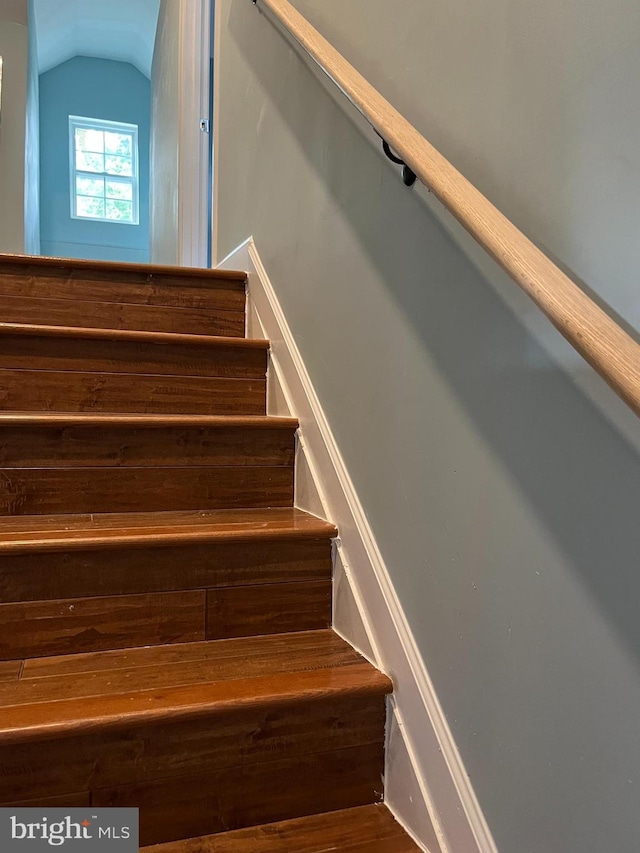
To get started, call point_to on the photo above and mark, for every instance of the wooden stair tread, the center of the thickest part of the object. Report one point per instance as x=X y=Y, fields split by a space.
x=115 y=419
x=56 y=532
x=129 y=335
x=79 y=693
x=366 y=829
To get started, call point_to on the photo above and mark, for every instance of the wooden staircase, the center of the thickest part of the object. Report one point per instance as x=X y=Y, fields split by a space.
x=165 y=611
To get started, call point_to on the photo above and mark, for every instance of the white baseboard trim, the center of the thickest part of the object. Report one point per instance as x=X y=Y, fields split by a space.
x=435 y=800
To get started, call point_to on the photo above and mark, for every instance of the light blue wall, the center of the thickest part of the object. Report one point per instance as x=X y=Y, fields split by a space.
x=96 y=88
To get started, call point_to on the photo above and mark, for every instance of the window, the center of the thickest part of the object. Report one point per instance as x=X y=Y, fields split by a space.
x=104 y=170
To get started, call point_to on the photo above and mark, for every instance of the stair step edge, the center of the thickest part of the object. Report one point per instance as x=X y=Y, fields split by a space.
x=128 y=335
x=51 y=533
x=119 y=267
x=106 y=419
x=157 y=538
x=76 y=716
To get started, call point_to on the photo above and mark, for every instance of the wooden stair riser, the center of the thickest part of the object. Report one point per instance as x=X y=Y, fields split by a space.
x=223 y=800
x=268 y=609
x=71 y=626
x=33 y=491
x=188 y=747
x=72 y=391
x=81 y=283
x=108 y=571
x=90 y=355
x=130 y=446
x=63 y=602
x=114 y=315
x=196 y=776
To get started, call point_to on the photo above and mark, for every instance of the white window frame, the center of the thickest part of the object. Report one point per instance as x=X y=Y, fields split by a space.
x=112 y=126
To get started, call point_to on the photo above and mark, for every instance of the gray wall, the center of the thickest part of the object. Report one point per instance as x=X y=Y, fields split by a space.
x=165 y=115
x=536 y=103
x=15 y=11
x=505 y=504
x=14 y=50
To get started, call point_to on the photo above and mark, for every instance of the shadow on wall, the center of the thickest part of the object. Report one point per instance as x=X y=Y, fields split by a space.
x=504 y=503
x=562 y=452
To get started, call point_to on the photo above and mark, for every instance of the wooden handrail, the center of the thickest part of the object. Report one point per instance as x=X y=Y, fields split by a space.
x=591 y=331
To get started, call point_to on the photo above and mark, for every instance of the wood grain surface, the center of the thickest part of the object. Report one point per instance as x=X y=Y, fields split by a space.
x=122 y=283
x=367 y=829
x=174 y=747
x=117 y=315
x=41 y=575
x=10 y=670
x=70 y=626
x=77 y=391
x=159 y=353
x=243 y=611
x=244 y=795
x=47 y=444
x=82 y=531
x=28 y=491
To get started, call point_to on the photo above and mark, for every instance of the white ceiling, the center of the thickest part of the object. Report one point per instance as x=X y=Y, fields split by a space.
x=123 y=30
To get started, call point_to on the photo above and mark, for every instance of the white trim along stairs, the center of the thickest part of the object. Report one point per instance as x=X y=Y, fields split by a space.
x=426 y=785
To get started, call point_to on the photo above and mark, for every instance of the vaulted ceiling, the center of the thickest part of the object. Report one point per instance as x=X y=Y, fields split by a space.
x=123 y=30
